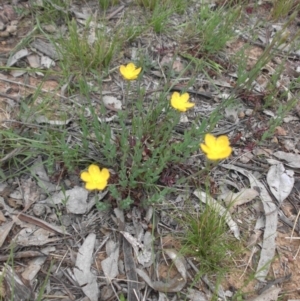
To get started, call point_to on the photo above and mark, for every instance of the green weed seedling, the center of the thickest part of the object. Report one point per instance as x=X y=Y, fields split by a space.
x=211 y=29
x=105 y=4
x=208 y=240
x=282 y=8
x=88 y=56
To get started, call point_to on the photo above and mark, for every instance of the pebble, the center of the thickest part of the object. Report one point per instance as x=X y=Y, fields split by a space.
x=241 y=114
x=248 y=112
x=39 y=209
x=11 y=28
x=49 y=28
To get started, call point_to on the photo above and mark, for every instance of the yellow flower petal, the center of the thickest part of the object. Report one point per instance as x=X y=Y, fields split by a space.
x=101 y=185
x=205 y=148
x=180 y=102
x=223 y=141
x=216 y=148
x=189 y=105
x=90 y=186
x=85 y=176
x=185 y=97
x=105 y=174
x=123 y=70
x=130 y=71
x=94 y=170
x=95 y=178
x=210 y=140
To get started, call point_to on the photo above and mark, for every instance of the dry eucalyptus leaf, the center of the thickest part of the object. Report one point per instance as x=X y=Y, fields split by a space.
x=85 y=278
x=75 y=200
x=280 y=131
x=30 y=191
x=162 y=297
x=43 y=119
x=173 y=285
x=246 y=157
x=14 y=285
x=17 y=73
x=179 y=262
x=4 y=231
x=33 y=60
x=270 y=294
x=112 y=103
x=39 y=222
x=203 y=197
x=290 y=118
x=292 y=160
x=195 y=295
x=2 y=217
x=38 y=170
x=35 y=264
x=269 y=244
x=290 y=145
x=142 y=253
x=281 y=181
x=35 y=237
x=110 y=264
x=5 y=206
x=92 y=32
x=47 y=62
x=252 y=240
x=237 y=199
x=16 y=57
x=262 y=152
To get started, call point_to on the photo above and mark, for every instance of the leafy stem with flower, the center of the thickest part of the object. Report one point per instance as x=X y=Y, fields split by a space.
x=147 y=149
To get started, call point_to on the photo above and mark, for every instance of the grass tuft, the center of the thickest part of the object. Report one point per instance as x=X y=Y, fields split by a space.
x=208 y=241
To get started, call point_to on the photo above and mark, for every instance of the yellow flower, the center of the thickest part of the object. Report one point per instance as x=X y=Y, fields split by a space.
x=95 y=178
x=130 y=71
x=181 y=102
x=216 y=148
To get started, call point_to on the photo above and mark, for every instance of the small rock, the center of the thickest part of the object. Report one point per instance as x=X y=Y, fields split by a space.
x=229 y=294
x=241 y=114
x=2 y=26
x=11 y=28
x=39 y=209
x=249 y=112
x=49 y=28
x=269 y=113
x=53 y=218
x=16 y=195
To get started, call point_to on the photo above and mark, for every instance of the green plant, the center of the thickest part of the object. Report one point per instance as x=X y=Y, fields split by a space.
x=105 y=4
x=91 y=52
x=159 y=17
x=146 y=148
x=281 y=8
x=211 y=29
x=207 y=240
x=245 y=78
x=150 y=4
